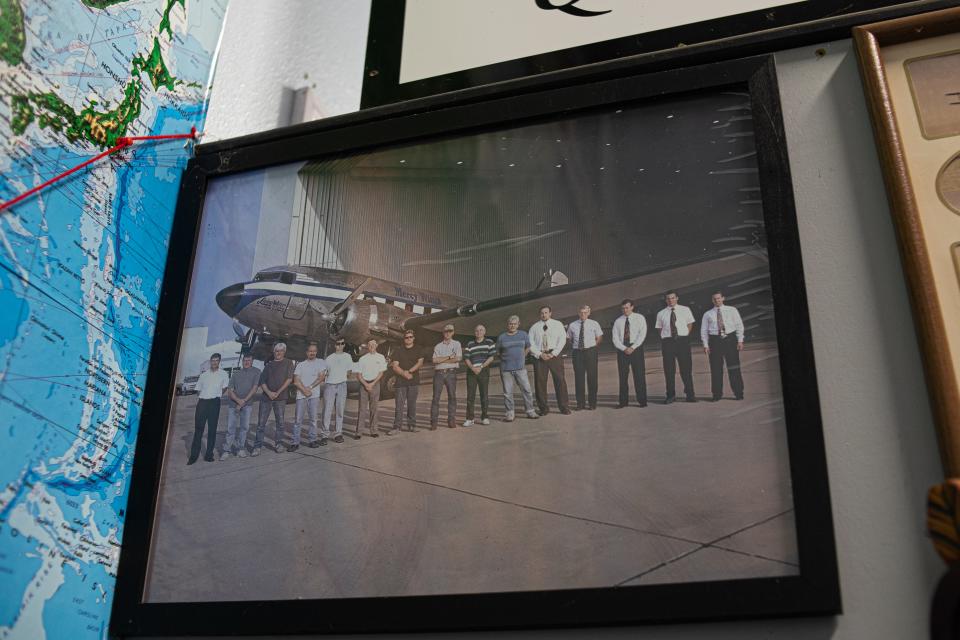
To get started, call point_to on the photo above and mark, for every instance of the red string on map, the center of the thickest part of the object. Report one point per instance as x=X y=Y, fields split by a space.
x=122 y=143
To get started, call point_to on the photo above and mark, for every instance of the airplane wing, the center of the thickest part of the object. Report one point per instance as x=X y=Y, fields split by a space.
x=645 y=288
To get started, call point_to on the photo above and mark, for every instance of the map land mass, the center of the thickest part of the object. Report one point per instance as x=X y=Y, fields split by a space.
x=81 y=269
x=102 y=128
x=12 y=37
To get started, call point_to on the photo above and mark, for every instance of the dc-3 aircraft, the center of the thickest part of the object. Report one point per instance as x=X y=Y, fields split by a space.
x=302 y=304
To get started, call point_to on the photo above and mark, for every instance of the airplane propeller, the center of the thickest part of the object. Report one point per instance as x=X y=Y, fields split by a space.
x=339 y=312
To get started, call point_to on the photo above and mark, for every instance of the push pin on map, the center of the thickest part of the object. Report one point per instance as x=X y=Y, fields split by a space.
x=121 y=143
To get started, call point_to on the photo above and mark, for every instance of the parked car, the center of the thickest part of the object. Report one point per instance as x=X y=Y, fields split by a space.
x=188 y=386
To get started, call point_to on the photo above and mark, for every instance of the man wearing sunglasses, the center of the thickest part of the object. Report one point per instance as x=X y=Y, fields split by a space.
x=446 y=360
x=406 y=363
x=339 y=366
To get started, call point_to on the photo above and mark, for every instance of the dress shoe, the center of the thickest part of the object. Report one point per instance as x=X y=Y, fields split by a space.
x=715 y=399
x=338 y=439
x=691 y=399
x=642 y=404
x=208 y=458
x=739 y=397
x=620 y=406
x=592 y=407
x=669 y=400
x=191 y=460
x=565 y=412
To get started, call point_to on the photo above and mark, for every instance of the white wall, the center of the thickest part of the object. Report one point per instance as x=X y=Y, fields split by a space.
x=269 y=45
x=880 y=439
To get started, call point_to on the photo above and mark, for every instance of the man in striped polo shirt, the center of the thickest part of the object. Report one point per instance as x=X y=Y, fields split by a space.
x=479 y=356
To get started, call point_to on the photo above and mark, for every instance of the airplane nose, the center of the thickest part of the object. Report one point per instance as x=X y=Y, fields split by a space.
x=228 y=299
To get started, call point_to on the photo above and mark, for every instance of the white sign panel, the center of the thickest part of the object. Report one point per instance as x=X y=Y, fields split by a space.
x=444 y=36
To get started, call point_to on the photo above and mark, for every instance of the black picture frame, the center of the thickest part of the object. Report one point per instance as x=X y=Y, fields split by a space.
x=815 y=591
x=757 y=32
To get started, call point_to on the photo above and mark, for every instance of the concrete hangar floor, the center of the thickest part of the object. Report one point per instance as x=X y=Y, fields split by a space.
x=668 y=493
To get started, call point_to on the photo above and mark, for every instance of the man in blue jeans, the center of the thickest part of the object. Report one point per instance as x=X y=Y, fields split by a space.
x=243 y=386
x=339 y=366
x=446 y=360
x=276 y=377
x=512 y=346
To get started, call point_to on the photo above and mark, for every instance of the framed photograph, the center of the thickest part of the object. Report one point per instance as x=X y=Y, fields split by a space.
x=426 y=47
x=539 y=359
x=911 y=73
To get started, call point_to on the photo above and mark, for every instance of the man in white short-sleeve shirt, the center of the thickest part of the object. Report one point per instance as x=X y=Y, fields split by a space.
x=369 y=370
x=339 y=366
x=210 y=387
x=308 y=378
x=675 y=323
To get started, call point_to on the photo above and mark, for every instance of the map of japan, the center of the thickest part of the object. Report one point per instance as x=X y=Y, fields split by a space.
x=81 y=265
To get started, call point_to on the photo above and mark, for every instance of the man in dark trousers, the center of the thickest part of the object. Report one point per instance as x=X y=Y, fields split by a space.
x=628 y=333
x=547 y=339
x=210 y=386
x=721 y=332
x=478 y=356
x=584 y=336
x=406 y=363
x=675 y=323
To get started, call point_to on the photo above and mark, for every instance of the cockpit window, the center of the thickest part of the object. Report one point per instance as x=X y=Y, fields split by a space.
x=285 y=277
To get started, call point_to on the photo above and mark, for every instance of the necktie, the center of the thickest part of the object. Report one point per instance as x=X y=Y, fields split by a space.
x=673 y=323
x=723 y=332
x=580 y=339
x=626 y=332
x=546 y=342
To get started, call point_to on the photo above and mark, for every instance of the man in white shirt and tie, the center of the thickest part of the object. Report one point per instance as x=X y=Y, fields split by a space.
x=721 y=332
x=585 y=335
x=629 y=332
x=547 y=339
x=675 y=323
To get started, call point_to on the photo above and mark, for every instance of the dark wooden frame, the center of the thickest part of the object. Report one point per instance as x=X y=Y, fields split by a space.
x=814 y=591
x=939 y=368
x=757 y=32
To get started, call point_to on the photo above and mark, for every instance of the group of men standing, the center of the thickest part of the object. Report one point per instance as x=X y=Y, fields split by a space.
x=721 y=334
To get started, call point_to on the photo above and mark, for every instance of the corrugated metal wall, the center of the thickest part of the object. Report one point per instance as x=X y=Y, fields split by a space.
x=486 y=215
